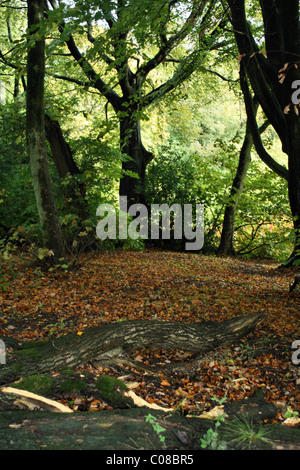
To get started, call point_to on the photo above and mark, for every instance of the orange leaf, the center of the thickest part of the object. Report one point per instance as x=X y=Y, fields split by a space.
x=165 y=383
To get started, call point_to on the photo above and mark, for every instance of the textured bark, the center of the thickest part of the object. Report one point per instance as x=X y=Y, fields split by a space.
x=112 y=340
x=131 y=145
x=107 y=430
x=61 y=152
x=129 y=430
x=226 y=244
x=66 y=165
x=271 y=78
x=36 y=140
x=294 y=183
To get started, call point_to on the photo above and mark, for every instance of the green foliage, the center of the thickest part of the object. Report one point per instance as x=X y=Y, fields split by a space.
x=172 y=178
x=263 y=221
x=244 y=435
x=100 y=162
x=4 y=281
x=158 y=429
x=194 y=130
x=290 y=413
x=180 y=176
x=128 y=243
x=211 y=439
x=263 y=224
x=17 y=205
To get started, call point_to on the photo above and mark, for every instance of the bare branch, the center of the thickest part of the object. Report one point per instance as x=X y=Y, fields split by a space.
x=205 y=69
x=69 y=79
x=259 y=147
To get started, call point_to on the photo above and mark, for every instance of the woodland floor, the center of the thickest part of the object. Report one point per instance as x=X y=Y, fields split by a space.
x=179 y=287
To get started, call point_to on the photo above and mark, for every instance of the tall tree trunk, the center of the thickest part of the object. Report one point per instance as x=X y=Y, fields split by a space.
x=139 y=157
x=35 y=129
x=294 y=184
x=271 y=77
x=66 y=165
x=61 y=152
x=226 y=244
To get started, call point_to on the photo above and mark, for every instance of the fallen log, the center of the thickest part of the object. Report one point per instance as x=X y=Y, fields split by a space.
x=128 y=430
x=109 y=341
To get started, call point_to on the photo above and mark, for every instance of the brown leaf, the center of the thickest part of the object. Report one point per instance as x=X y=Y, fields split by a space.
x=165 y=383
x=181 y=392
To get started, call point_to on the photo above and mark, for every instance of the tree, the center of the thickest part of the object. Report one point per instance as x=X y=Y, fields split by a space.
x=51 y=232
x=72 y=191
x=122 y=35
x=226 y=243
x=271 y=75
x=66 y=166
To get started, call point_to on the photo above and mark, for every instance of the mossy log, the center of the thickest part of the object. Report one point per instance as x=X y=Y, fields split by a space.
x=127 y=429
x=109 y=341
x=36 y=392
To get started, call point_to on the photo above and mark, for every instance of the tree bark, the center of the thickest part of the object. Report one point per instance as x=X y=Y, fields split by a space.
x=271 y=78
x=61 y=152
x=294 y=185
x=51 y=232
x=130 y=430
x=132 y=146
x=226 y=246
x=66 y=165
x=107 y=342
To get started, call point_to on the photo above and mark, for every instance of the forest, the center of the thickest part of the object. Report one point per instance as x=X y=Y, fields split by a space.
x=149 y=225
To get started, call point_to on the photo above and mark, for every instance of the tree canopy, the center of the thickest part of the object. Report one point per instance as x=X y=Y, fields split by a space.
x=149 y=215
x=127 y=83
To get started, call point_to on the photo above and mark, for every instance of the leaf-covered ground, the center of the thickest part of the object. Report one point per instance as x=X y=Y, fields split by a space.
x=179 y=287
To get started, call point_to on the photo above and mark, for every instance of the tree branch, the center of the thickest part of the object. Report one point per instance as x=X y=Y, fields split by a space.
x=230 y=80
x=170 y=44
x=94 y=79
x=190 y=63
x=69 y=79
x=263 y=77
x=92 y=40
x=259 y=147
